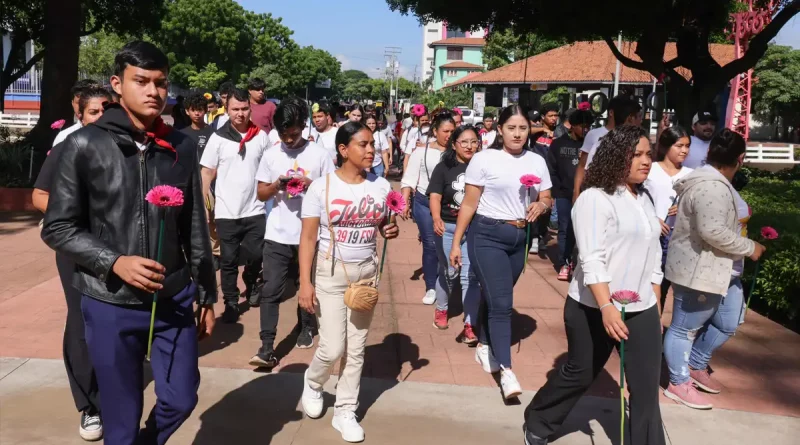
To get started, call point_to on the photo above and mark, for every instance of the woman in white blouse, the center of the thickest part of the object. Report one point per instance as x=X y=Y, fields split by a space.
x=497 y=210
x=617 y=233
x=345 y=211
x=382 y=146
x=671 y=151
x=416 y=178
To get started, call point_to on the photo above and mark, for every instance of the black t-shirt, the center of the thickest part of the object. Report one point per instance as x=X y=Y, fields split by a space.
x=200 y=137
x=45 y=179
x=562 y=161
x=449 y=182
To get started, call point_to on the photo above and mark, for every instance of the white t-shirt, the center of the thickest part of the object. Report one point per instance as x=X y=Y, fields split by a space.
x=62 y=135
x=407 y=122
x=420 y=169
x=274 y=138
x=381 y=145
x=416 y=139
x=698 y=151
x=219 y=121
x=743 y=215
x=488 y=139
x=660 y=184
x=311 y=161
x=356 y=211
x=328 y=141
x=499 y=172
x=236 y=190
x=591 y=142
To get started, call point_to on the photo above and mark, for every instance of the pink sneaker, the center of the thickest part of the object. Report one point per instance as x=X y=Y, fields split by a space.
x=440 y=319
x=686 y=394
x=468 y=336
x=704 y=381
x=563 y=274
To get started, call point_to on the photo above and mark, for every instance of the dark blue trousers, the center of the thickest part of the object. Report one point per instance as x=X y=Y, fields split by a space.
x=117 y=340
x=424 y=220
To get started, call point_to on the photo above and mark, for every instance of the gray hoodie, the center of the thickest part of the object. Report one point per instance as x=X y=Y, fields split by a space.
x=706 y=240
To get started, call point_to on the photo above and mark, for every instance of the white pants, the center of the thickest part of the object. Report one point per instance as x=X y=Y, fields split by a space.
x=340 y=329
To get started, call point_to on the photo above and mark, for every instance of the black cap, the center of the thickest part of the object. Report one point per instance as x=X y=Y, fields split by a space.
x=704 y=116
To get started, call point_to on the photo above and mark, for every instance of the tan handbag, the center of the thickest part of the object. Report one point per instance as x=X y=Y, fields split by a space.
x=361 y=296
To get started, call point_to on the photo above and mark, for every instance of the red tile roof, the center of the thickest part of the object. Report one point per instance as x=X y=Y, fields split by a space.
x=460 y=41
x=464 y=79
x=583 y=62
x=462 y=64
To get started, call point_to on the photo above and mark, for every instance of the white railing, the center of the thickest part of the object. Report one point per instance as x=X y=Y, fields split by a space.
x=761 y=154
x=21 y=120
x=29 y=83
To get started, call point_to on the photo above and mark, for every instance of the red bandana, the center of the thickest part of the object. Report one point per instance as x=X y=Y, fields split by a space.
x=159 y=133
x=252 y=131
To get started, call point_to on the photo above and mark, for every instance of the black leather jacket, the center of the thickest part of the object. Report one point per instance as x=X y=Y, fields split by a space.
x=97 y=212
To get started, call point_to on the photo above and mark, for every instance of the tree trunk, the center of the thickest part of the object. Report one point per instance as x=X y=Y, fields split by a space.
x=62 y=42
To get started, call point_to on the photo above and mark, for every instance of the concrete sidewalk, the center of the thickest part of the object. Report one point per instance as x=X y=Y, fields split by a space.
x=239 y=406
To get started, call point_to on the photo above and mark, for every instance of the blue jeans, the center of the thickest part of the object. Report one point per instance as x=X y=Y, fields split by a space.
x=378 y=169
x=497 y=251
x=424 y=220
x=691 y=311
x=470 y=290
x=721 y=327
x=566 y=235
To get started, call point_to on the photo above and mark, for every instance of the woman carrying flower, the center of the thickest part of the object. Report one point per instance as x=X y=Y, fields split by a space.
x=617 y=232
x=416 y=179
x=333 y=211
x=446 y=192
x=497 y=200
x=705 y=244
x=417 y=136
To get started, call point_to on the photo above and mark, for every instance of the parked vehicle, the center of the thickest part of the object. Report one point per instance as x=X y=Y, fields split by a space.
x=470 y=116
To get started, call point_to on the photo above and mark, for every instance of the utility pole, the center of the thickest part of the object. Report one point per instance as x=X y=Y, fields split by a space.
x=391 y=53
x=616 y=72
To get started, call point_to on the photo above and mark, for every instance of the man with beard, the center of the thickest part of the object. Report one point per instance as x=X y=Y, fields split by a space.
x=562 y=161
x=285 y=172
x=231 y=159
x=323 y=123
x=704 y=124
x=98 y=217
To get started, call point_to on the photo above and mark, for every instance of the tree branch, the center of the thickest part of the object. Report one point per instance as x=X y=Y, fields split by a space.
x=94 y=29
x=671 y=64
x=759 y=43
x=24 y=68
x=627 y=61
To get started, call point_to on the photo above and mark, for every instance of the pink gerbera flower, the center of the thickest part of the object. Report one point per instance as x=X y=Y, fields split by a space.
x=768 y=232
x=530 y=180
x=418 y=110
x=57 y=125
x=295 y=186
x=165 y=196
x=624 y=297
x=584 y=106
x=395 y=202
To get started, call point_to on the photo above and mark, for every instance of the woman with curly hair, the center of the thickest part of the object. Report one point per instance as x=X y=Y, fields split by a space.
x=617 y=233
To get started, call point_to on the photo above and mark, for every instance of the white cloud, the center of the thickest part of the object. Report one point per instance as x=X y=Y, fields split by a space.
x=346 y=63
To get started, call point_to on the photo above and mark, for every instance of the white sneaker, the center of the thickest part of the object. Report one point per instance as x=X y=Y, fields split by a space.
x=509 y=384
x=429 y=298
x=345 y=422
x=311 y=400
x=91 y=428
x=485 y=358
x=534 y=246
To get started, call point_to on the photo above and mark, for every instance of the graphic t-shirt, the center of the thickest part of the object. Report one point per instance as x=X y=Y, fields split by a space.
x=562 y=161
x=487 y=139
x=356 y=211
x=698 y=151
x=743 y=214
x=311 y=161
x=235 y=189
x=504 y=197
x=541 y=145
x=450 y=183
x=200 y=137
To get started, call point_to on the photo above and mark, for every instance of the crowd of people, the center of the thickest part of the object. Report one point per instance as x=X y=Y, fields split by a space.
x=298 y=196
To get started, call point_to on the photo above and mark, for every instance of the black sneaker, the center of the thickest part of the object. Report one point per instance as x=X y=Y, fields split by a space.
x=306 y=338
x=530 y=439
x=91 y=428
x=264 y=359
x=252 y=294
x=231 y=314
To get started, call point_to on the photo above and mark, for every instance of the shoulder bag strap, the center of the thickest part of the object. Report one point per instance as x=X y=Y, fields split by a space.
x=332 y=245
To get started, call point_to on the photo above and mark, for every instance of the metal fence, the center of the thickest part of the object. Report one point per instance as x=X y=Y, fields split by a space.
x=29 y=83
x=21 y=120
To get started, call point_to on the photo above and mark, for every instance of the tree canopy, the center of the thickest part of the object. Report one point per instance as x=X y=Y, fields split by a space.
x=689 y=23
x=504 y=47
x=776 y=94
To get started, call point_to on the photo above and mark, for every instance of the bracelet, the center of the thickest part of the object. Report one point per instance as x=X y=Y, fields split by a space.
x=606 y=305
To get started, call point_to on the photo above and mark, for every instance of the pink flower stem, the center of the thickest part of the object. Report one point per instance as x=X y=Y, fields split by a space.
x=752 y=286
x=622 y=385
x=385 y=245
x=527 y=230
x=155 y=294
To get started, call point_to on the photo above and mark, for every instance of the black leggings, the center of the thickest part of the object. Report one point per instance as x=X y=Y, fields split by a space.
x=589 y=347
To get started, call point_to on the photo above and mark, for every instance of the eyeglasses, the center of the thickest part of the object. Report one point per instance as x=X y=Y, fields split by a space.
x=465 y=144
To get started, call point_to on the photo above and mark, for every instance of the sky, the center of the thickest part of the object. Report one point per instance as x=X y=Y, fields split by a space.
x=357 y=31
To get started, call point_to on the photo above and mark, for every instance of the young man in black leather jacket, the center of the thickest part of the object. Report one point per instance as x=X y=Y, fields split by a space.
x=98 y=217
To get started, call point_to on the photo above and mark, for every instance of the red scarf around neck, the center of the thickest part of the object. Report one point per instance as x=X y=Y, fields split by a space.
x=159 y=132
x=252 y=131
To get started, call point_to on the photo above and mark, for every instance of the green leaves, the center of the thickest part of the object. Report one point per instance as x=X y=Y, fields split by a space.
x=775 y=90
x=503 y=47
x=208 y=78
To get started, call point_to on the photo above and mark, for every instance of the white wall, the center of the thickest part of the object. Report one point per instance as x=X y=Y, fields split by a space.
x=431 y=32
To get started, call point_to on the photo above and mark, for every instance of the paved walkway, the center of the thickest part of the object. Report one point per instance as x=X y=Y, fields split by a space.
x=759 y=367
